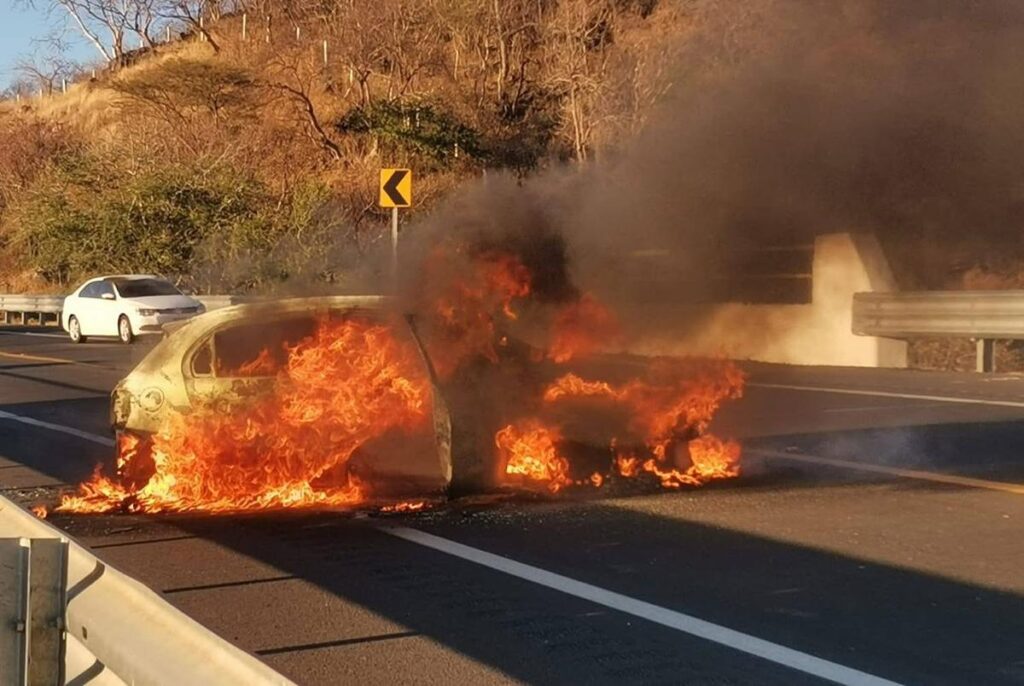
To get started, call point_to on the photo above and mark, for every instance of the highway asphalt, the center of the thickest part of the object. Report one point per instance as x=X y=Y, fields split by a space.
x=875 y=536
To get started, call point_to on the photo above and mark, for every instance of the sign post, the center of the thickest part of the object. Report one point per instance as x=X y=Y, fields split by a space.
x=395 y=192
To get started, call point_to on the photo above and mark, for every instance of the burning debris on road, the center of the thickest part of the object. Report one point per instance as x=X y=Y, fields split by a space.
x=310 y=415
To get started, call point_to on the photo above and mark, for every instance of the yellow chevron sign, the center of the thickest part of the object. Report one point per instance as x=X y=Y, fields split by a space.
x=395 y=187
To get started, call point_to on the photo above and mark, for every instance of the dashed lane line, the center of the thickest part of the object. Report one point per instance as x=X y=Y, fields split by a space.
x=39 y=334
x=35 y=358
x=890 y=394
x=918 y=474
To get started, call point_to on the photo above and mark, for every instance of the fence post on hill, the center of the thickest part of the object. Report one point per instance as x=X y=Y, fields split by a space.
x=268 y=29
x=245 y=26
x=325 y=54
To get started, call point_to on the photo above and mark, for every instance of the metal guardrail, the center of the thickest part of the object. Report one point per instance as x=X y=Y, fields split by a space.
x=19 y=309
x=42 y=310
x=958 y=314
x=984 y=316
x=113 y=629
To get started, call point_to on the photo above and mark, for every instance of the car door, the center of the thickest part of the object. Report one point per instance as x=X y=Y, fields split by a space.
x=83 y=307
x=104 y=310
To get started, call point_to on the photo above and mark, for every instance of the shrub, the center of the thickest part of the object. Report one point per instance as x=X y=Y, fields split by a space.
x=86 y=216
x=416 y=129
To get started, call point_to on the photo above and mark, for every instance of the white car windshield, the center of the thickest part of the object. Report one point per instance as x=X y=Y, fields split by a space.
x=141 y=288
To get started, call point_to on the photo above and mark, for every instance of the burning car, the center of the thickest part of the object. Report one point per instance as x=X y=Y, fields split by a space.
x=325 y=400
x=346 y=401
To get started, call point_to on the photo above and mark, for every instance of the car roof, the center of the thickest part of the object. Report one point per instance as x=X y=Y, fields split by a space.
x=122 y=277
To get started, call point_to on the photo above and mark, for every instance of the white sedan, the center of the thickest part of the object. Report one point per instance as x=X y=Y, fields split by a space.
x=125 y=306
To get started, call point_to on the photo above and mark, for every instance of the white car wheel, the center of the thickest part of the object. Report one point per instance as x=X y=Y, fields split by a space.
x=75 y=330
x=124 y=330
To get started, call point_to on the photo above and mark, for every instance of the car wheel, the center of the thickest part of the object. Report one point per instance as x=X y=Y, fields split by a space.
x=75 y=330
x=124 y=330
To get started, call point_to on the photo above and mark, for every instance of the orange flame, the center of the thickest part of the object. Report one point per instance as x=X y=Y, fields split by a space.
x=350 y=382
x=685 y=396
x=677 y=407
x=528 y=450
x=464 y=313
x=571 y=385
x=627 y=465
x=711 y=459
x=580 y=328
x=407 y=506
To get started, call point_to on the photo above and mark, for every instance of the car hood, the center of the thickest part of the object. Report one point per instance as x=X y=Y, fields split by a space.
x=161 y=302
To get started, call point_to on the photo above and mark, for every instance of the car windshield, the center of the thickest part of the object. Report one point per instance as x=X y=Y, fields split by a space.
x=140 y=288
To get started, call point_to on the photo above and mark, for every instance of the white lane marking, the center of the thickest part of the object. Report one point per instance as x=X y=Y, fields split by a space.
x=880 y=408
x=889 y=394
x=920 y=475
x=787 y=657
x=85 y=435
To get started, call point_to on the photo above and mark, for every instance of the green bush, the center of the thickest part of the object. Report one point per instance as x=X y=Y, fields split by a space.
x=416 y=129
x=86 y=216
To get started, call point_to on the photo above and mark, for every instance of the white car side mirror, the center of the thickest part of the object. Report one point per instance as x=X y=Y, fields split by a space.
x=107 y=296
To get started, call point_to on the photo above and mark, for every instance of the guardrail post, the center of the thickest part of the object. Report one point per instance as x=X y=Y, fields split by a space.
x=14 y=597
x=33 y=579
x=48 y=576
x=985 y=355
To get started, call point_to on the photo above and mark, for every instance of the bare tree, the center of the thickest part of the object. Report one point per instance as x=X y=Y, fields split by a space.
x=45 y=74
x=194 y=14
x=107 y=24
x=296 y=88
x=576 y=63
x=48 y=65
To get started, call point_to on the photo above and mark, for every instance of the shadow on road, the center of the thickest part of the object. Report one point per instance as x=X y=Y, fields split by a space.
x=897 y=623
x=900 y=624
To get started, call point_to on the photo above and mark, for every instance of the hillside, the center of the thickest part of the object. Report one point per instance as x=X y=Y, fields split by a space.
x=249 y=160
x=247 y=157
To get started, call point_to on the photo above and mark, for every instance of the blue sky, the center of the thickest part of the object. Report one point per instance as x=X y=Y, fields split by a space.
x=19 y=26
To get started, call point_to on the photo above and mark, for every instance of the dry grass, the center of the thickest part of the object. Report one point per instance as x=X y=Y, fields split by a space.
x=958 y=355
x=91 y=106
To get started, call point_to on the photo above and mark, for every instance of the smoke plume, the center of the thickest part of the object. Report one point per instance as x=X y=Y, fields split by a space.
x=786 y=119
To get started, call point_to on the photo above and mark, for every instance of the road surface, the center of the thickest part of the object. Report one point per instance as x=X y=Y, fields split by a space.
x=876 y=536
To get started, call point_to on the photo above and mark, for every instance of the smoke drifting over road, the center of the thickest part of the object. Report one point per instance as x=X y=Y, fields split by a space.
x=786 y=119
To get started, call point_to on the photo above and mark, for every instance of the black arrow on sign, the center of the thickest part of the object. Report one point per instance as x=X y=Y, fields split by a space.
x=391 y=187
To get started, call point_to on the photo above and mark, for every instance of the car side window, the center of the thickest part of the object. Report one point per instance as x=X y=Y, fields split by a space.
x=90 y=291
x=202 y=360
x=102 y=288
x=257 y=349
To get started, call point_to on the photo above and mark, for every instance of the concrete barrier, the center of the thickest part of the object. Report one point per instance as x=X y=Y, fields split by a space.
x=818 y=333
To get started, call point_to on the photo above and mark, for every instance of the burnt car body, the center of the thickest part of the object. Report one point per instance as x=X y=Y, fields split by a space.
x=198 y=362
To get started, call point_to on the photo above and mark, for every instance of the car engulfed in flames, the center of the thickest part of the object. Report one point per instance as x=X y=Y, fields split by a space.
x=341 y=402
x=302 y=402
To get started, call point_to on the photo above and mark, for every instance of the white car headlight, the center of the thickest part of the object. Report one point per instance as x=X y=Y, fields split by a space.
x=145 y=311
